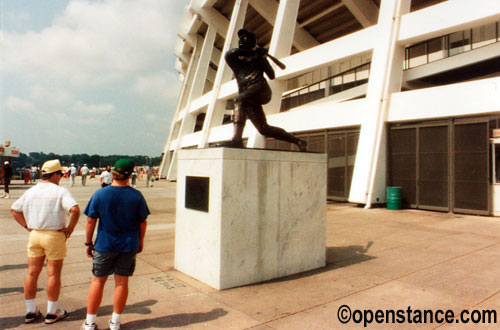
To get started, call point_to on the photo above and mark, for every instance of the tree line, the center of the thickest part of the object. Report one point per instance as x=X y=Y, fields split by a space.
x=38 y=158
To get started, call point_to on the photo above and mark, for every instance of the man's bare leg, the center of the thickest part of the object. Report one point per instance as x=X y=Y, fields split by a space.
x=95 y=294
x=54 y=268
x=35 y=265
x=120 y=294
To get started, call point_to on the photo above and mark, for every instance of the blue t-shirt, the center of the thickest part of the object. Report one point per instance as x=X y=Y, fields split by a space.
x=120 y=210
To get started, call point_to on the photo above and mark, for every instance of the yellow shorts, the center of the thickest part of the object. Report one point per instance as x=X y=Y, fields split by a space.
x=50 y=243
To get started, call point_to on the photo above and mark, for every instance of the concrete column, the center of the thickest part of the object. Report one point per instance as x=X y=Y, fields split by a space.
x=281 y=46
x=203 y=64
x=215 y=111
x=188 y=77
x=196 y=90
x=369 y=178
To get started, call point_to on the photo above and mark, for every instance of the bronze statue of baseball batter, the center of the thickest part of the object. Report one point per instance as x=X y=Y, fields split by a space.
x=249 y=63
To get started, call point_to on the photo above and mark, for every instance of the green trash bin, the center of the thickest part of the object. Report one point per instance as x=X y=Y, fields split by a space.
x=394 y=198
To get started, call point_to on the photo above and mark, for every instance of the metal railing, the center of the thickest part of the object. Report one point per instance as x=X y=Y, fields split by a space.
x=451 y=44
x=326 y=87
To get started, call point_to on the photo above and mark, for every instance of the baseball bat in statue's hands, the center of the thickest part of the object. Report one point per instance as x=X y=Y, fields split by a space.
x=264 y=52
x=281 y=65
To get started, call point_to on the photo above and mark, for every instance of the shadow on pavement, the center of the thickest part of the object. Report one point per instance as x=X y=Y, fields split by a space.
x=9 y=267
x=18 y=289
x=177 y=320
x=137 y=308
x=348 y=255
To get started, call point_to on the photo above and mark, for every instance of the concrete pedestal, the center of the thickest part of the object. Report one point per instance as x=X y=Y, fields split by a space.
x=246 y=216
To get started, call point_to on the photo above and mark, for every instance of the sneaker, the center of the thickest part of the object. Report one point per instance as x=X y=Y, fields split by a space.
x=53 y=318
x=86 y=326
x=31 y=317
x=114 y=326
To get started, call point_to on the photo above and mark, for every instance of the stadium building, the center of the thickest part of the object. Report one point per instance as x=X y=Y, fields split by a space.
x=396 y=92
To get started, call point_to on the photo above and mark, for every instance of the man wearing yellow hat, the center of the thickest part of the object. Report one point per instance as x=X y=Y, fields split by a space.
x=42 y=210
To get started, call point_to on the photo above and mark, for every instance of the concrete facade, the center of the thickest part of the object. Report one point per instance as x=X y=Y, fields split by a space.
x=387 y=37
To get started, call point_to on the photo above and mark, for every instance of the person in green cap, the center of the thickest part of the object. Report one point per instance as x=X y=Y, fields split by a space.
x=120 y=212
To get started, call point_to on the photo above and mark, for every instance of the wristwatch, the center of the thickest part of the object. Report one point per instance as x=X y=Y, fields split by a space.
x=89 y=244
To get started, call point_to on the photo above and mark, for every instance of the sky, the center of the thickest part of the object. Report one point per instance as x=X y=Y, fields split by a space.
x=88 y=76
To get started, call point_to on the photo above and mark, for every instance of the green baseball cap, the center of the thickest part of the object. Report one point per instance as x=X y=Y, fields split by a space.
x=124 y=166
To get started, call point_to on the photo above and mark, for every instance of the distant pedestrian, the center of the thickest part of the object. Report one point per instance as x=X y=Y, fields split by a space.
x=72 y=174
x=149 y=177
x=26 y=174
x=134 y=178
x=34 y=171
x=7 y=177
x=93 y=172
x=121 y=213
x=42 y=210
x=84 y=171
x=106 y=178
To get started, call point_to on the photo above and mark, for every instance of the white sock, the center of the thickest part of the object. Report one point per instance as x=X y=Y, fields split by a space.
x=52 y=307
x=30 y=306
x=91 y=319
x=115 y=318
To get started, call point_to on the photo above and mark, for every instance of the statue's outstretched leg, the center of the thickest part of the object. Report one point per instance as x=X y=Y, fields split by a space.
x=258 y=119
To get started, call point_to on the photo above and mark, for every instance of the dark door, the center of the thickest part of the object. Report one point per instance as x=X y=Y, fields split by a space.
x=471 y=185
x=403 y=163
x=442 y=166
x=433 y=168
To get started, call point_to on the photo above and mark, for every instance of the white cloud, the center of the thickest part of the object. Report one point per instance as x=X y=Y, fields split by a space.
x=98 y=60
x=163 y=86
x=65 y=119
x=55 y=96
x=94 y=109
x=18 y=105
x=94 y=42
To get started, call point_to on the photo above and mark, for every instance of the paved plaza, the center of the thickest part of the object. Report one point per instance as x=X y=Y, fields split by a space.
x=377 y=259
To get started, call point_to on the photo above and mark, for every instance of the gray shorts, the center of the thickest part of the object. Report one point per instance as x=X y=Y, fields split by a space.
x=107 y=263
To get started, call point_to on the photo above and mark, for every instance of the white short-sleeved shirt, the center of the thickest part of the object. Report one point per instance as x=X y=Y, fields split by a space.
x=45 y=206
x=85 y=170
x=107 y=177
x=72 y=170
